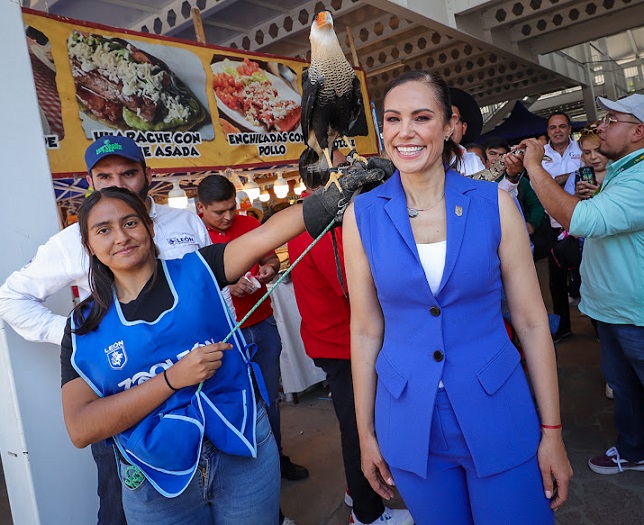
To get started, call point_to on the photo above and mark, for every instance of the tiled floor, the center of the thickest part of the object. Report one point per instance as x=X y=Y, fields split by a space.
x=311 y=438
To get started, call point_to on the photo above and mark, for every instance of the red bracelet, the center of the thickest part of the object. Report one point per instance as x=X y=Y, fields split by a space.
x=553 y=427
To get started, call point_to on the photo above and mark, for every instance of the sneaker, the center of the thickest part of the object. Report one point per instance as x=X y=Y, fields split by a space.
x=388 y=517
x=292 y=471
x=348 y=500
x=611 y=463
x=288 y=521
x=560 y=335
x=609 y=392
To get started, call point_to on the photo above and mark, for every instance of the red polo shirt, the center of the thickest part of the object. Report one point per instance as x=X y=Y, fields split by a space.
x=320 y=298
x=241 y=225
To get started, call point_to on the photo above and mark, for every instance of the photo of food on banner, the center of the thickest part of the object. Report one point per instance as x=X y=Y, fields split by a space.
x=153 y=93
x=256 y=96
x=44 y=70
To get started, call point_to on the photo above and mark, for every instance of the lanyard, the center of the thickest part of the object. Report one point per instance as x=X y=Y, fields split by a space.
x=625 y=167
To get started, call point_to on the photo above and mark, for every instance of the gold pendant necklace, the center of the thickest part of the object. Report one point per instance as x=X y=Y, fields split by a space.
x=413 y=212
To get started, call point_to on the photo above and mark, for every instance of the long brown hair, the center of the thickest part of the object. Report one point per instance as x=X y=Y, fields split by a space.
x=441 y=91
x=89 y=313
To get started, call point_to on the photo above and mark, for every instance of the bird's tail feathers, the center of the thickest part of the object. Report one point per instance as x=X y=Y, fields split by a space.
x=314 y=169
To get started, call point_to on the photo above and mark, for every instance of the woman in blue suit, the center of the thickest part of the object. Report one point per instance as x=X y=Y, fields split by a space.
x=443 y=406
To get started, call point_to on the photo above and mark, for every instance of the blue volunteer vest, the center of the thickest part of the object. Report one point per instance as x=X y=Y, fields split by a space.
x=120 y=354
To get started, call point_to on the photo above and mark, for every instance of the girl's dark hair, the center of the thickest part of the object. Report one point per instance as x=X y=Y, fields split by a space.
x=89 y=313
x=441 y=91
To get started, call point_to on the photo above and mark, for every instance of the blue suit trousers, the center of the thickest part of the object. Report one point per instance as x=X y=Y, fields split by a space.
x=453 y=492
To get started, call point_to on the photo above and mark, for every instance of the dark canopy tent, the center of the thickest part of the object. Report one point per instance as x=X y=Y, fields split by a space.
x=521 y=124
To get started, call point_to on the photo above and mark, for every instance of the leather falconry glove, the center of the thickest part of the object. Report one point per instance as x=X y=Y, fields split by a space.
x=324 y=205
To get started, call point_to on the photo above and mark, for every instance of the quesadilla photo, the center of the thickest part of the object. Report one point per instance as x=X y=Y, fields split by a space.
x=125 y=87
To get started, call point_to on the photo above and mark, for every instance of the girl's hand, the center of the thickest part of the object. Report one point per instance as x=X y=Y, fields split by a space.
x=197 y=366
x=375 y=469
x=555 y=467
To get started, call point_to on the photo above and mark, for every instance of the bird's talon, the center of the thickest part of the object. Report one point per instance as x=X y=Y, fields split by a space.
x=333 y=179
x=353 y=155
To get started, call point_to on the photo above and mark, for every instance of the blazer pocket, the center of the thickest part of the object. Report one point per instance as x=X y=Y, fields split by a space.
x=498 y=369
x=390 y=377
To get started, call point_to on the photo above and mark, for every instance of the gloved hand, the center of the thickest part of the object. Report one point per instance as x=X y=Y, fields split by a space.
x=322 y=206
x=379 y=163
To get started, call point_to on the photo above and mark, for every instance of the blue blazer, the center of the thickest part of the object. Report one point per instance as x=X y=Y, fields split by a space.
x=456 y=335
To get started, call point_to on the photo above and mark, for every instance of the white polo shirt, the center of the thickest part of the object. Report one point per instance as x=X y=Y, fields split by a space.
x=62 y=262
x=469 y=164
x=559 y=164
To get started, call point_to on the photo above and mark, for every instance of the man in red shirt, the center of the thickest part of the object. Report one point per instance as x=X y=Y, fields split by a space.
x=218 y=209
x=321 y=295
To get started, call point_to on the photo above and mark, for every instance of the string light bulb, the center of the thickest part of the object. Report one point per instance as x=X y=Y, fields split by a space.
x=252 y=189
x=264 y=196
x=280 y=187
x=177 y=198
x=300 y=188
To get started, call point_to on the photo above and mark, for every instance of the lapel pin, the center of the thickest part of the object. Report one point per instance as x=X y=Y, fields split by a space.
x=458 y=211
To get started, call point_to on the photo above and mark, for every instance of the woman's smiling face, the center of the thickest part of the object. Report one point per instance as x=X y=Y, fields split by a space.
x=414 y=127
x=118 y=236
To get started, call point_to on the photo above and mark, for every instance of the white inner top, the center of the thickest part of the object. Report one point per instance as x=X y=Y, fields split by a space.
x=432 y=257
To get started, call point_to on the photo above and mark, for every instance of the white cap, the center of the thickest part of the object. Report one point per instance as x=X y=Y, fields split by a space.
x=632 y=104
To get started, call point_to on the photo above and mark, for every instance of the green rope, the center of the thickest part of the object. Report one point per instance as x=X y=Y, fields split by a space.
x=269 y=292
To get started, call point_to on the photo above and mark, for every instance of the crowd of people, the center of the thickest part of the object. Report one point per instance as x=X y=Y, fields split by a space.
x=445 y=415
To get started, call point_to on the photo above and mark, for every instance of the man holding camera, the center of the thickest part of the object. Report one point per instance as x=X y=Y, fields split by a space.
x=612 y=289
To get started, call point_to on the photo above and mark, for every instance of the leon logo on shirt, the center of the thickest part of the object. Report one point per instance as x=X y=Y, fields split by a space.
x=181 y=239
x=116 y=355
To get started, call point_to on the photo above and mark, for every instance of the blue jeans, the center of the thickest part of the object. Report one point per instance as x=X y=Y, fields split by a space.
x=226 y=489
x=623 y=367
x=110 y=510
x=269 y=347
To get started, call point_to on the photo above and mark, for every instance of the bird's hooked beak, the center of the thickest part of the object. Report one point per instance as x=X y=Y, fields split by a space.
x=323 y=18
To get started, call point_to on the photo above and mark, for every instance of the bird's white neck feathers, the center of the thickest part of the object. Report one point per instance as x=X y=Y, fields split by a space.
x=324 y=43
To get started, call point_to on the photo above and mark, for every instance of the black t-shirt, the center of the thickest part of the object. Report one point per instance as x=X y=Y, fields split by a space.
x=151 y=302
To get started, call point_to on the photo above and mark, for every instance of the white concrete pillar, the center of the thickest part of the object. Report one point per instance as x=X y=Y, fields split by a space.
x=48 y=480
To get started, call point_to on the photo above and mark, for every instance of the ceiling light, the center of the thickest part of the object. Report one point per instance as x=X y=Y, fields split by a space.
x=177 y=198
x=300 y=188
x=280 y=187
x=252 y=189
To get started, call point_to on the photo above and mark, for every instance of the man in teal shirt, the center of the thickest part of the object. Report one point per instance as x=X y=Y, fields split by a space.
x=612 y=269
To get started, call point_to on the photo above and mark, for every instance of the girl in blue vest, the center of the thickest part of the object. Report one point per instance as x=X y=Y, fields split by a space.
x=142 y=364
x=443 y=407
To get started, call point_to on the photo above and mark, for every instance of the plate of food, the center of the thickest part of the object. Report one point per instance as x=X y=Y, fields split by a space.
x=253 y=98
x=128 y=86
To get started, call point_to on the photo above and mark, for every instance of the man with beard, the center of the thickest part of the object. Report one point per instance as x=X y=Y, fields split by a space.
x=62 y=262
x=612 y=288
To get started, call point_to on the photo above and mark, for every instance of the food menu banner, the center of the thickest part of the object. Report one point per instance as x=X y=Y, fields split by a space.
x=190 y=107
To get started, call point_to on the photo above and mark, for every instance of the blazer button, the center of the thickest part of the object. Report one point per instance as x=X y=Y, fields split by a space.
x=435 y=311
x=438 y=356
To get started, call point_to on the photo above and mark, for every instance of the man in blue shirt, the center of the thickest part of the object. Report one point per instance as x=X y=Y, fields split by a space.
x=612 y=268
